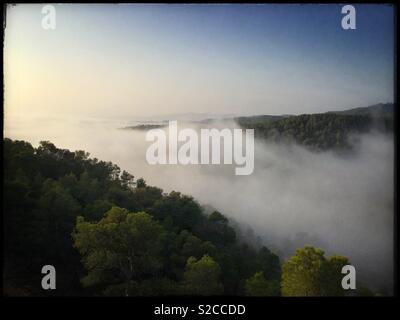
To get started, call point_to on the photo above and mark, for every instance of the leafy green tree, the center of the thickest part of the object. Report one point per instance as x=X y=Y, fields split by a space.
x=309 y=273
x=183 y=210
x=54 y=221
x=217 y=216
x=202 y=277
x=217 y=230
x=258 y=286
x=332 y=275
x=269 y=263
x=95 y=211
x=120 y=250
x=144 y=197
x=178 y=248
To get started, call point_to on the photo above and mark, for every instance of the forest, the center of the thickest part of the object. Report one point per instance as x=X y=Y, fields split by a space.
x=322 y=131
x=108 y=233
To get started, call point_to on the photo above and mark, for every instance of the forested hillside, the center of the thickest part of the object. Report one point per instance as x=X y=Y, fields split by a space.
x=108 y=233
x=47 y=189
x=331 y=130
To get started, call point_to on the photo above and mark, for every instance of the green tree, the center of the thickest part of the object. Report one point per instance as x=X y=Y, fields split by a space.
x=217 y=230
x=269 y=263
x=258 y=286
x=127 y=180
x=332 y=276
x=309 y=273
x=120 y=250
x=140 y=183
x=184 y=211
x=202 y=277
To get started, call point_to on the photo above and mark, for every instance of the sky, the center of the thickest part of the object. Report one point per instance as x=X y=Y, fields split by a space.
x=147 y=60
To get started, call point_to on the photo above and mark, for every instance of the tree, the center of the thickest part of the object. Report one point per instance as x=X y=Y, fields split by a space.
x=144 y=197
x=120 y=250
x=184 y=211
x=258 y=286
x=217 y=230
x=332 y=275
x=202 y=277
x=309 y=273
x=140 y=183
x=216 y=216
x=269 y=263
x=127 y=180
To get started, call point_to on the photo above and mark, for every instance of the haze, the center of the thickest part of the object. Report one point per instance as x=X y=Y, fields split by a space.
x=106 y=65
x=144 y=60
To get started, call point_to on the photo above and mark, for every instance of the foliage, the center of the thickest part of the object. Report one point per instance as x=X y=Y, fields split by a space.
x=309 y=273
x=83 y=215
x=202 y=277
x=317 y=131
x=121 y=248
x=258 y=286
x=109 y=234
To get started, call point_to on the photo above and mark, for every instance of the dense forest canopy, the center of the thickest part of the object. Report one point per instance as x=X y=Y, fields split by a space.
x=60 y=204
x=108 y=233
x=323 y=131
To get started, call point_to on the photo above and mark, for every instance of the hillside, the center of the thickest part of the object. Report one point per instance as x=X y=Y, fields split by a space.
x=323 y=131
x=110 y=234
x=381 y=109
x=55 y=200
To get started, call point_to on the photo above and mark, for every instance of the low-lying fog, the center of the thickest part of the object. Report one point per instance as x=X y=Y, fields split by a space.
x=294 y=197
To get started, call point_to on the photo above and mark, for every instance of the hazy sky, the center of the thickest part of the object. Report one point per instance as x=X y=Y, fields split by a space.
x=142 y=60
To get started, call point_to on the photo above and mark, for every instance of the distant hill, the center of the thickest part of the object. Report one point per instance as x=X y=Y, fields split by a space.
x=144 y=127
x=184 y=117
x=256 y=119
x=380 y=109
x=322 y=131
x=319 y=131
x=162 y=120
